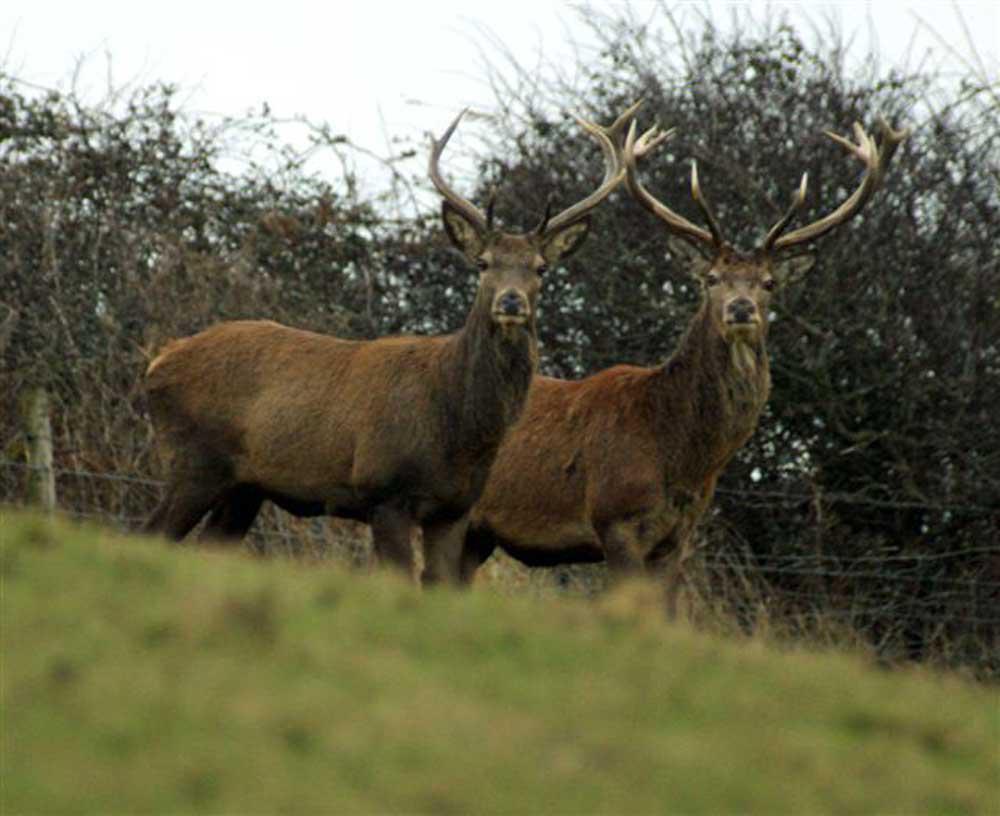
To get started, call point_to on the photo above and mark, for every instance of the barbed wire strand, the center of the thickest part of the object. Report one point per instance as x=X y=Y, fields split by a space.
x=780 y=497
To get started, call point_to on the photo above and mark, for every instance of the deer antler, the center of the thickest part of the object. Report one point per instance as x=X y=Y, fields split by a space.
x=876 y=159
x=613 y=175
x=785 y=220
x=609 y=139
x=636 y=148
x=703 y=205
x=471 y=212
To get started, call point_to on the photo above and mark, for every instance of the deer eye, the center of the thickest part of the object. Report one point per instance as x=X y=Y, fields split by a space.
x=769 y=284
x=482 y=264
x=711 y=279
x=542 y=269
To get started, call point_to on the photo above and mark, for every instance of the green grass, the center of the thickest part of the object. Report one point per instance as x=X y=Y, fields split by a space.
x=139 y=678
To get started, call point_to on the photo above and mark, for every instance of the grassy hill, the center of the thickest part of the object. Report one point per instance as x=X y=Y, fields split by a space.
x=142 y=678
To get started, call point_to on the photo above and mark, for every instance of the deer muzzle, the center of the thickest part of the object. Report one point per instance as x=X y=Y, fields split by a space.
x=742 y=311
x=511 y=306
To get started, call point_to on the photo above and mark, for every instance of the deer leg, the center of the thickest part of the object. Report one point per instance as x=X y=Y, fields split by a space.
x=476 y=550
x=443 y=545
x=667 y=560
x=620 y=542
x=392 y=537
x=194 y=487
x=233 y=516
x=181 y=509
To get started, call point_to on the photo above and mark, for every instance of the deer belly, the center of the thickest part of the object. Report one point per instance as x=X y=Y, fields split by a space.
x=548 y=541
x=578 y=545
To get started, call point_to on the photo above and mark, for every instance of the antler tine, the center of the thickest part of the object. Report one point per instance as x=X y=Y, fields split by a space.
x=703 y=205
x=651 y=139
x=613 y=174
x=797 y=201
x=676 y=223
x=490 y=204
x=876 y=159
x=617 y=129
x=891 y=140
x=540 y=229
x=469 y=210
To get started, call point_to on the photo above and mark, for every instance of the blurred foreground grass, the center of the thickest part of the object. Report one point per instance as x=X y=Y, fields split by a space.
x=142 y=678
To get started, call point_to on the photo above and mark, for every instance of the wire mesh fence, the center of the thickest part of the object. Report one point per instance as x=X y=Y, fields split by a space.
x=123 y=501
x=942 y=606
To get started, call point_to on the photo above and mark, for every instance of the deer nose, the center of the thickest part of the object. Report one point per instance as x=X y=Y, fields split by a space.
x=741 y=310
x=512 y=304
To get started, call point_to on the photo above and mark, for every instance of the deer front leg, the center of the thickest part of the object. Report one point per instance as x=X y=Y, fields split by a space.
x=620 y=542
x=667 y=561
x=392 y=538
x=443 y=543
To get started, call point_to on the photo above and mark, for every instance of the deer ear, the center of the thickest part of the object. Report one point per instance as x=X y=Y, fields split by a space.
x=465 y=235
x=792 y=270
x=564 y=242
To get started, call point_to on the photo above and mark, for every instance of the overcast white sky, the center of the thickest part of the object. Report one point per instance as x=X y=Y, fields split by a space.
x=367 y=68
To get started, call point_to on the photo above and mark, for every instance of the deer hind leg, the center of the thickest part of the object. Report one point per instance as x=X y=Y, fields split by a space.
x=392 y=538
x=181 y=509
x=234 y=514
x=191 y=493
x=443 y=545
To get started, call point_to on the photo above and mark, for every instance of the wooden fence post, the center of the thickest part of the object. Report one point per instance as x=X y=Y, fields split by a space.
x=38 y=433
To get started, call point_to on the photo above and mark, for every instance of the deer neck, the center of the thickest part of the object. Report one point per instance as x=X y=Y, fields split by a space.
x=489 y=371
x=712 y=391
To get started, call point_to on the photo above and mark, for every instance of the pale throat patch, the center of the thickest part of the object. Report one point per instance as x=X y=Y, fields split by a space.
x=743 y=357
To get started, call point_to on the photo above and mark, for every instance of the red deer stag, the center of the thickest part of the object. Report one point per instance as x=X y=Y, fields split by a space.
x=620 y=466
x=396 y=432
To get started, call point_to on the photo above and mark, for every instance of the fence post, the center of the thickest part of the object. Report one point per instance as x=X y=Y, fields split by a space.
x=38 y=433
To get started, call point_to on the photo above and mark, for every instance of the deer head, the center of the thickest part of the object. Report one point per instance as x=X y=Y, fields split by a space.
x=737 y=286
x=511 y=265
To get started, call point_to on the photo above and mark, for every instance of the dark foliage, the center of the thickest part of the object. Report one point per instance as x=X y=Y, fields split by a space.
x=121 y=229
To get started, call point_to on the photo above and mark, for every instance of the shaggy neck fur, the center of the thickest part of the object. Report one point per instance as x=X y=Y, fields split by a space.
x=490 y=369
x=710 y=394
